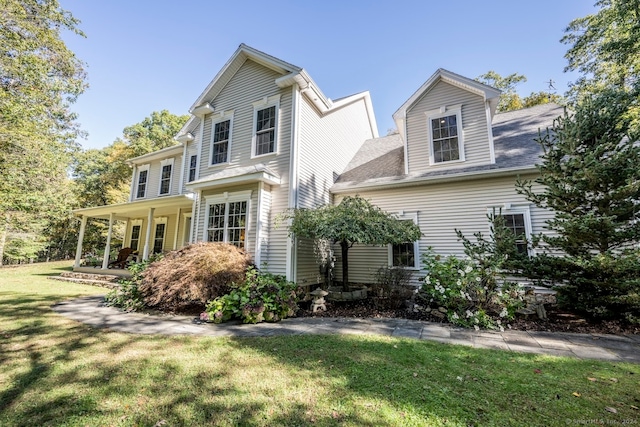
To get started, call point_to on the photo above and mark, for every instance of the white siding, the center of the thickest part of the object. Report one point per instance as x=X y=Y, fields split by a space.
x=250 y=83
x=326 y=145
x=153 y=179
x=474 y=124
x=192 y=150
x=441 y=209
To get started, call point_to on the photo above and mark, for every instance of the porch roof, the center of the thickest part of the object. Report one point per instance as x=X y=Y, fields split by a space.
x=139 y=208
x=237 y=175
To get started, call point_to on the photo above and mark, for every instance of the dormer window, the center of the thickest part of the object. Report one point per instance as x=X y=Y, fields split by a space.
x=445 y=135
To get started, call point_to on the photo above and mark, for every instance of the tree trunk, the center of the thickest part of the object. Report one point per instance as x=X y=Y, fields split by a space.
x=345 y=265
x=3 y=240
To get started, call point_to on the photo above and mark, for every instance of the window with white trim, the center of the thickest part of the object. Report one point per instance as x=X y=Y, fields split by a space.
x=516 y=223
x=158 y=237
x=193 y=164
x=166 y=168
x=405 y=255
x=445 y=135
x=221 y=130
x=265 y=120
x=518 y=220
x=227 y=218
x=143 y=176
x=134 y=242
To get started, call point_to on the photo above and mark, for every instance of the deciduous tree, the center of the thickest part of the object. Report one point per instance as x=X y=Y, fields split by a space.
x=354 y=220
x=39 y=78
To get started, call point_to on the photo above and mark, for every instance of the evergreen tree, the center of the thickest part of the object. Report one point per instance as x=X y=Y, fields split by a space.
x=591 y=180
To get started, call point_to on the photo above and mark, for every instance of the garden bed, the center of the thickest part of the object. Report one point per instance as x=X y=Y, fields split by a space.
x=558 y=320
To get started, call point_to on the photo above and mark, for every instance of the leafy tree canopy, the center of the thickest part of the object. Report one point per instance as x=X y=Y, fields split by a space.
x=604 y=47
x=39 y=79
x=509 y=99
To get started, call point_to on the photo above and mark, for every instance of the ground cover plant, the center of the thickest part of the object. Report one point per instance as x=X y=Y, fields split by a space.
x=57 y=372
x=262 y=296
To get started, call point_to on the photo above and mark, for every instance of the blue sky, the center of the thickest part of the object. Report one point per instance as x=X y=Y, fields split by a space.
x=145 y=56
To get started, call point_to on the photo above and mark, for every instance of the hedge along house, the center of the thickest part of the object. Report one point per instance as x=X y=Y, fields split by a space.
x=262 y=138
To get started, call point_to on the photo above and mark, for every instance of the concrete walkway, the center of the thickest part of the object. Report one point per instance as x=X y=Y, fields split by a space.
x=617 y=348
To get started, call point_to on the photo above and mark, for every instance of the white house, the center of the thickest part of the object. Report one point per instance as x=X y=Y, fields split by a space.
x=263 y=138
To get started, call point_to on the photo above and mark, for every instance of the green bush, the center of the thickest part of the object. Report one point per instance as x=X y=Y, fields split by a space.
x=603 y=286
x=261 y=297
x=473 y=295
x=127 y=296
x=474 y=290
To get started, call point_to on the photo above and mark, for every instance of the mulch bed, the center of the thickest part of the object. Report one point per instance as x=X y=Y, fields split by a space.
x=558 y=320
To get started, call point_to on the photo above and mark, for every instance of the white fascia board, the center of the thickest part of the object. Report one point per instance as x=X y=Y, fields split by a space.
x=157 y=155
x=241 y=54
x=242 y=179
x=308 y=87
x=487 y=92
x=185 y=128
x=123 y=208
x=385 y=183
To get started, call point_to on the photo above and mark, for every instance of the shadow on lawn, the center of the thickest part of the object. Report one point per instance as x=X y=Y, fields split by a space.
x=56 y=370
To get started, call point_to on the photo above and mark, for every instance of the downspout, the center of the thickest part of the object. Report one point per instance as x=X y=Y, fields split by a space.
x=406 y=144
x=492 y=154
x=294 y=179
x=182 y=171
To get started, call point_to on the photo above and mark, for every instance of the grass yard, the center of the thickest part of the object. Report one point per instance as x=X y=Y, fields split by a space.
x=56 y=372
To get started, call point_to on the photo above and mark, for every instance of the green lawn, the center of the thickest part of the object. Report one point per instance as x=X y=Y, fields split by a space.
x=57 y=372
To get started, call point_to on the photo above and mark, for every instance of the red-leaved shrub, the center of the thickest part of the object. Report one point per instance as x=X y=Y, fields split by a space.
x=184 y=280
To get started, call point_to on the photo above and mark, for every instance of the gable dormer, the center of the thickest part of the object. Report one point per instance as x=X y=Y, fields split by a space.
x=446 y=123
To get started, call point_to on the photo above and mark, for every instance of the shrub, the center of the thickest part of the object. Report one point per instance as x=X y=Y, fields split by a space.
x=187 y=278
x=261 y=297
x=127 y=296
x=392 y=287
x=473 y=296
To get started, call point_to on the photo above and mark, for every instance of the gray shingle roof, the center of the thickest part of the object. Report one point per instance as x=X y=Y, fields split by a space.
x=381 y=160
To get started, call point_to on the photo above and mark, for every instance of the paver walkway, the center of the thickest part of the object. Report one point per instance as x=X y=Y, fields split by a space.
x=92 y=311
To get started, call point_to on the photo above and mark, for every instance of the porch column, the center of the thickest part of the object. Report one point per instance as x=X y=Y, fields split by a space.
x=83 y=226
x=175 y=234
x=107 y=248
x=145 y=252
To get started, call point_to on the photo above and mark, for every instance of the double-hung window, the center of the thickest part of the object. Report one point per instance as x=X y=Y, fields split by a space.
x=405 y=255
x=166 y=167
x=158 y=237
x=143 y=176
x=193 y=164
x=227 y=218
x=134 y=242
x=265 y=138
x=445 y=135
x=221 y=130
x=518 y=220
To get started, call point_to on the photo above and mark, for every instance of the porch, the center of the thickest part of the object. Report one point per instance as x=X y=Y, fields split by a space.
x=151 y=226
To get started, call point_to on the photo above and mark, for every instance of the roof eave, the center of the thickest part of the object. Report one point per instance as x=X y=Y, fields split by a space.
x=386 y=183
x=261 y=176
